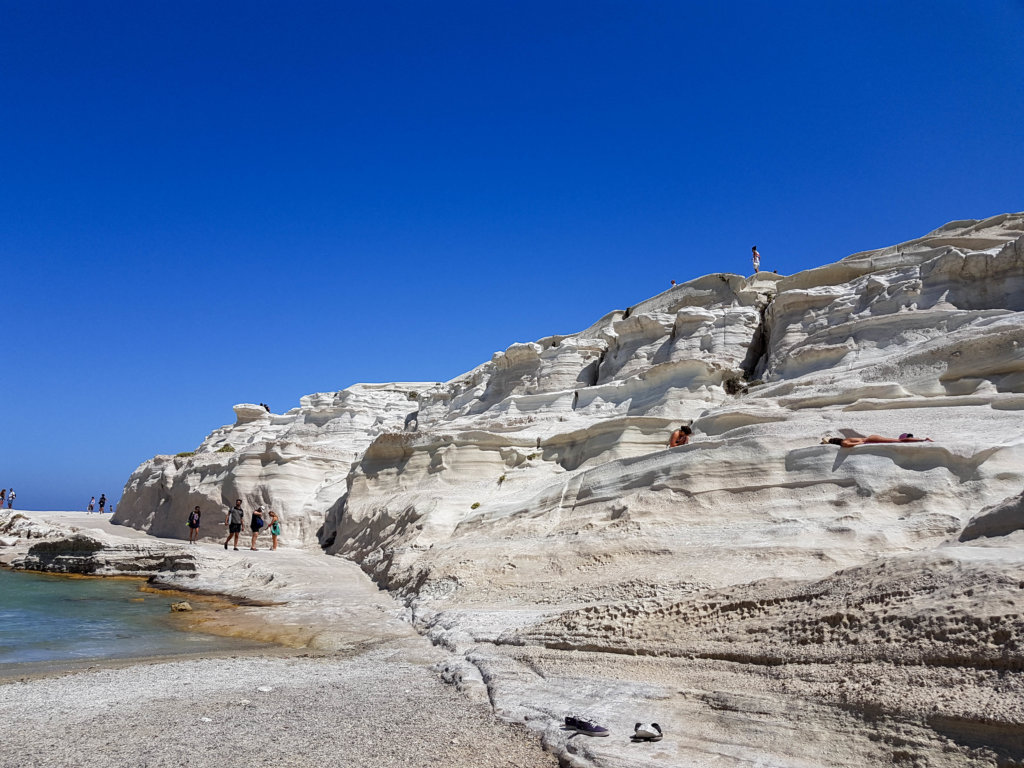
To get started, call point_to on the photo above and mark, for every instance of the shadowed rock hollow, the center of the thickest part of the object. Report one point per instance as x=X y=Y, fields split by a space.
x=781 y=591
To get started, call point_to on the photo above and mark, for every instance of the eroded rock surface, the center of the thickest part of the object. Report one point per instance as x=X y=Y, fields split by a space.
x=797 y=604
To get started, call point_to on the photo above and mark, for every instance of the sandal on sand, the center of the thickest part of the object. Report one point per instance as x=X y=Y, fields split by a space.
x=647 y=732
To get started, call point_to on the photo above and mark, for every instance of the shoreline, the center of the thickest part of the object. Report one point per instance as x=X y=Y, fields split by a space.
x=206 y=607
x=43 y=670
x=340 y=660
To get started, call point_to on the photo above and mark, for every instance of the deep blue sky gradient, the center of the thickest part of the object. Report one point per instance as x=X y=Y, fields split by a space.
x=210 y=203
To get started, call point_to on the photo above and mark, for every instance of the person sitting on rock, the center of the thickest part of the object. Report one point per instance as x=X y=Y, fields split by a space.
x=680 y=437
x=851 y=442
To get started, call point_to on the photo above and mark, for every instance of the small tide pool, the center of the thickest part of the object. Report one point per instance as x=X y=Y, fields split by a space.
x=58 y=620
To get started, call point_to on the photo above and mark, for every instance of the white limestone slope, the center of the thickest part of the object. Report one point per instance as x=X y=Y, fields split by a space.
x=532 y=505
x=295 y=463
x=566 y=437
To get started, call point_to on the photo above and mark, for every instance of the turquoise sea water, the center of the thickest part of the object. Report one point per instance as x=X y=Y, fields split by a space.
x=57 y=619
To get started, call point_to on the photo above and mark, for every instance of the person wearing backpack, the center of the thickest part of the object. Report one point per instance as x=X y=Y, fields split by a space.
x=256 y=525
x=193 y=525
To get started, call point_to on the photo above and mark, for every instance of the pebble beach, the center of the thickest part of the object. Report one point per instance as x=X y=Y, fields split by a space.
x=348 y=683
x=376 y=709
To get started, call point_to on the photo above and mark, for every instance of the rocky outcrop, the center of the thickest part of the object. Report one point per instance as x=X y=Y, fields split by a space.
x=999 y=519
x=531 y=506
x=295 y=463
x=88 y=555
x=563 y=439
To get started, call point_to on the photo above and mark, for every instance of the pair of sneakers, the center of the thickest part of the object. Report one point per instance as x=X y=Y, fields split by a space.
x=641 y=731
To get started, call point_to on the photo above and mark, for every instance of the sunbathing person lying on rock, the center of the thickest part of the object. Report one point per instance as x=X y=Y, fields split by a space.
x=851 y=442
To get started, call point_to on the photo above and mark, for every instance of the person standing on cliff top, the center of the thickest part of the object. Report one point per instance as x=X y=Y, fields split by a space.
x=92 y=502
x=103 y=502
x=233 y=520
x=3 y=495
x=10 y=498
x=756 y=258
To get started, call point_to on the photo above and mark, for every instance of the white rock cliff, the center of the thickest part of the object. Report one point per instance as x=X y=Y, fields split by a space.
x=531 y=505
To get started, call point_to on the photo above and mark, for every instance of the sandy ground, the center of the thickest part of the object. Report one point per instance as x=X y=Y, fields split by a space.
x=374 y=709
x=370 y=697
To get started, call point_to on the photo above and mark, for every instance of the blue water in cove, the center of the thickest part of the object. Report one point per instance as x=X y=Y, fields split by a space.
x=58 y=619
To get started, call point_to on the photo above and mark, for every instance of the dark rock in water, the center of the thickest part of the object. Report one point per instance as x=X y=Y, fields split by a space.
x=73 y=554
x=997 y=520
x=79 y=553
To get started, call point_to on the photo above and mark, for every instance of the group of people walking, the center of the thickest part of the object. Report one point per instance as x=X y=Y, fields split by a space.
x=103 y=504
x=9 y=494
x=234 y=519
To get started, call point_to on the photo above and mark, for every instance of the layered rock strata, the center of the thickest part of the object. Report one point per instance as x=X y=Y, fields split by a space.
x=531 y=506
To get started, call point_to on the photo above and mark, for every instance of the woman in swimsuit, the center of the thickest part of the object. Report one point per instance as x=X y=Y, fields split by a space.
x=275 y=528
x=850 y=442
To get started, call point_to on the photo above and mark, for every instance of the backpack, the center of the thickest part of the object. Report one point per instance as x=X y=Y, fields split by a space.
x=257 y=522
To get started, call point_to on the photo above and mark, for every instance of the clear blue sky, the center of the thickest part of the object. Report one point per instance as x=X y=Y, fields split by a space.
x=210 y=203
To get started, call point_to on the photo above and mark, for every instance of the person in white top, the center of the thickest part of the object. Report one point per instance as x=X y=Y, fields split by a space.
x=756 y=258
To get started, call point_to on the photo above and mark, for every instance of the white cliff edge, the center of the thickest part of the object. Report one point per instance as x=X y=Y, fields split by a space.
x=532 y=503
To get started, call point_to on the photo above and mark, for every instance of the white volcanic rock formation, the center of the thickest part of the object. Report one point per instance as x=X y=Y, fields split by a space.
x=295 y=463
x=532 y=503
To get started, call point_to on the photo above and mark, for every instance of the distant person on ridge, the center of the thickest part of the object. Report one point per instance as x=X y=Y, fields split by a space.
x=103 y=502
x=3 y=495
x=233 y=520
x=852 y=442
x=92 y=502
x=680 y=437
x=10 y=498
x=756 y=257
x=193 y=525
